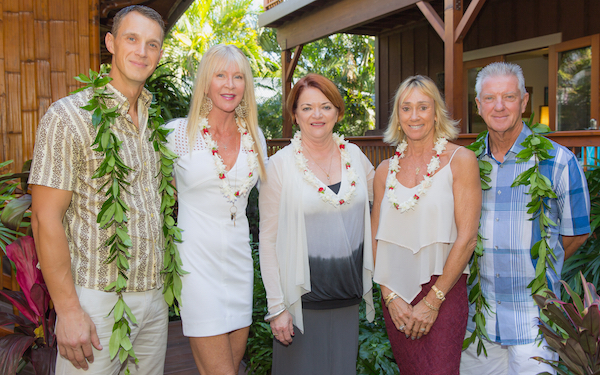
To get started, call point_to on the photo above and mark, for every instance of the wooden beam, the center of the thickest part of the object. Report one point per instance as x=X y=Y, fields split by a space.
x=453 y=64
x=334 y=17
x=290 y=72
x=468 y=19
x=434 y=19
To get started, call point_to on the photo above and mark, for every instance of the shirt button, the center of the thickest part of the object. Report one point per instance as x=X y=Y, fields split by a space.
x=501 y=165
x=499 y=192
x=151 y=215
x=146 y=189
x=496 y=247
x=497 y=219
x=497 y=275
x=499 y=302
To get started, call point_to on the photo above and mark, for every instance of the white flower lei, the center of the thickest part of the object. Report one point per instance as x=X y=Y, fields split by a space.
x=394 y=167
x=247 y=144
x=326 y=194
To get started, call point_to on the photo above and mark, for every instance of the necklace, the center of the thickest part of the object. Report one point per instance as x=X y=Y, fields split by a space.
x=315 y=161
x=423 y=187
x=230 y=194
x=536 y=147
x=326 y=194
x=113 y=213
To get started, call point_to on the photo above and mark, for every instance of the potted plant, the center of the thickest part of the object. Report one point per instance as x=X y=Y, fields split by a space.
x=572 y=330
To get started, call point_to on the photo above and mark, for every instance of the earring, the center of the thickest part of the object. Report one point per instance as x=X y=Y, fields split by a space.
x=206 y=106
x=242 y=109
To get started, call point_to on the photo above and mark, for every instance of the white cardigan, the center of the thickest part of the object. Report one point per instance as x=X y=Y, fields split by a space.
x=283 y=246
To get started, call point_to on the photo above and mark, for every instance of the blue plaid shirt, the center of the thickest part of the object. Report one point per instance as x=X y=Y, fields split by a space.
x=506 y=266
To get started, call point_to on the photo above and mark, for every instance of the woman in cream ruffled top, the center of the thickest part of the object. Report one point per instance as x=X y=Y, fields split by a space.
x=424 y=221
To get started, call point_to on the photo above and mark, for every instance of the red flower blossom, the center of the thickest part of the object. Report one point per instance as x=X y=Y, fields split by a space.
x=237 y=193
x=342 y=146
x=250 y=174
x=321 y=190
x=214 y=151
x=416 y=197
x=205 y=130
x=347 y=165
x=353 y=183
x=221 y=175
x=341 y=201
x=397 y=153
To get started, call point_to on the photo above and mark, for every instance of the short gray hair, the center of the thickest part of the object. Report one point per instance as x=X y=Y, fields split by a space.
x=500 y=69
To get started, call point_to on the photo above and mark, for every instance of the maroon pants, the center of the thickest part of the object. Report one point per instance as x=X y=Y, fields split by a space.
x=437 y=353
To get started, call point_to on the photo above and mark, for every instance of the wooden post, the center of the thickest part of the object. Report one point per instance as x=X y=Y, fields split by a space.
x=286 y=88
x=288 y=65
x=453 y=30
x=453 y=56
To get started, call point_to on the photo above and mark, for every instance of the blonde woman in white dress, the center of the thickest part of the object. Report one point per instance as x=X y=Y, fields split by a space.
x=222 y=154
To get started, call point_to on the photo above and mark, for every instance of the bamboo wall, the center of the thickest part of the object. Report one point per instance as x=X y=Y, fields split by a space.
x=43 y=44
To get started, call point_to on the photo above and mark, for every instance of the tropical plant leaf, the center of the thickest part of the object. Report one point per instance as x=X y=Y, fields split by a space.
x=22 y=253
x=20 y=302
x=13 y=212
x=44 y=360
x=12 y=348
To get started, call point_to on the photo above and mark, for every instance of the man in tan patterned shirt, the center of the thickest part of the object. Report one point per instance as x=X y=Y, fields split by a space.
x=66 y=203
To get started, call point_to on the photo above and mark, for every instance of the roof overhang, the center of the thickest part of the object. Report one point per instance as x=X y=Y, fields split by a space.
x=303 y=21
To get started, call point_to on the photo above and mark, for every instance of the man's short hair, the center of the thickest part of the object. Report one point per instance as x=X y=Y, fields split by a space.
x=141 y=9
x=499 y=69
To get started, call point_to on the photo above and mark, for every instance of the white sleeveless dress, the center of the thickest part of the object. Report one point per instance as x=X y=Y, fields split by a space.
x=414 y=245
x=217 y=293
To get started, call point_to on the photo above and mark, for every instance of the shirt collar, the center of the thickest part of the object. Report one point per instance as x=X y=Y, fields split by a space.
x=516 y=147
x=121 y=100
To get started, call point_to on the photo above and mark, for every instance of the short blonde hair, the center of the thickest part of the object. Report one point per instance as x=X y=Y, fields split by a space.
x=218 y=58
x=444 y=126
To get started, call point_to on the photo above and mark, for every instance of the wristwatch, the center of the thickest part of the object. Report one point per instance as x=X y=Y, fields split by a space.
x=438 y=293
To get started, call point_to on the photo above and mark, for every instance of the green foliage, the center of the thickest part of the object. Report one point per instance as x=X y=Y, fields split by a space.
x=374 y=352
x=587 y=259
x=575 y=330
x=14 y=204
x=259 y=348
x=476 y=297
x=210 y=22
x=170 y=92
x=540 y=188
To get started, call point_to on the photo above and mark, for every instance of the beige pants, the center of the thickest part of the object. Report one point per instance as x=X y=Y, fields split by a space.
x=149 y=336
x=506 y=359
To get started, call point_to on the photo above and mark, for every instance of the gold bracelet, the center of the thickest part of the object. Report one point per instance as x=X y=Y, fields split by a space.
x=438 y=293
x=389 y=298
x=430 y=305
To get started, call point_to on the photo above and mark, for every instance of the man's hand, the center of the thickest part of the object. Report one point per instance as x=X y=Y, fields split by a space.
x=75 y=334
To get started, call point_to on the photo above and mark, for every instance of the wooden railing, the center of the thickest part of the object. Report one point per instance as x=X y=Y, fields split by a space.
x=268 y=4
x=583 y=143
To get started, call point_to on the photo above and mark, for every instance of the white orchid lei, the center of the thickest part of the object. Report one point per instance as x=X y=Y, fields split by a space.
x=326 y=194
x=252 y=159
x=394 y=167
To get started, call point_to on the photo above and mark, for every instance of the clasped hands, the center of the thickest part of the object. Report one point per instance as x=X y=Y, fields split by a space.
x=414 y=321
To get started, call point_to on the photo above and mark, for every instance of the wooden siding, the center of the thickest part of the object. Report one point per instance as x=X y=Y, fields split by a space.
x=417 y=49
x=43 y=44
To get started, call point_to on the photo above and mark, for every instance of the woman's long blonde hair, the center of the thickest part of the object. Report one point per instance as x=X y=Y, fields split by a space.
x=444 y=126
x=218 y=58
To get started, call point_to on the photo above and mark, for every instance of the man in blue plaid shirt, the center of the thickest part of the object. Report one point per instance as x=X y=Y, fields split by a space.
x=506 y=266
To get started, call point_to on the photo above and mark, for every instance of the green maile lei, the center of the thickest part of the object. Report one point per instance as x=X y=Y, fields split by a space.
x=113 y=213
x=540 y=188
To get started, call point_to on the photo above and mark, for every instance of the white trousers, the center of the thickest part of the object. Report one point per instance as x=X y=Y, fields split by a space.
x=149 y=336
x=506 y=359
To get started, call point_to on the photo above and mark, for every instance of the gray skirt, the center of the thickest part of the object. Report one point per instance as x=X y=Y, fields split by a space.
x=329 y=345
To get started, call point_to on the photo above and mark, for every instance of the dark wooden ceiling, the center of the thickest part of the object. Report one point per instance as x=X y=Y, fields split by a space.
x=389 y=22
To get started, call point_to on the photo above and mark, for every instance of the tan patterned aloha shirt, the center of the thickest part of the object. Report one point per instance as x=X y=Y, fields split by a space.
x=63 y=159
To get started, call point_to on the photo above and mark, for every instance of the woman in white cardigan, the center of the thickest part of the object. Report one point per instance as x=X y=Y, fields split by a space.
x=315 y=262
